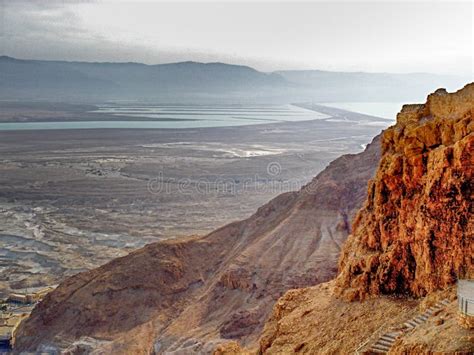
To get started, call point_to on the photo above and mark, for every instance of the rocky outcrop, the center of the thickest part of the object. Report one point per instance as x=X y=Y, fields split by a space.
x=413 y=237
x=415 y=234
x=231 y=348
x=190 y=295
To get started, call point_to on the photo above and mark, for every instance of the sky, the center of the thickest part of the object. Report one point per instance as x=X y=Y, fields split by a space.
x=375 y=36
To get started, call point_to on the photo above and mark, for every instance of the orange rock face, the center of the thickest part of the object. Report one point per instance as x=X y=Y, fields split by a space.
x=415 y=233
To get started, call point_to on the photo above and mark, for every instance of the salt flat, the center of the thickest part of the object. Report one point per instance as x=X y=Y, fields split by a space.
x=71 y=200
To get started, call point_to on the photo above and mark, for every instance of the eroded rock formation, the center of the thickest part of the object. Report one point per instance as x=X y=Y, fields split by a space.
x=413 y=236
x=415 y=233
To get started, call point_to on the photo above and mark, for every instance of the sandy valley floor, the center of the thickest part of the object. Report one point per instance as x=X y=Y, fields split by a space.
x=71 y=200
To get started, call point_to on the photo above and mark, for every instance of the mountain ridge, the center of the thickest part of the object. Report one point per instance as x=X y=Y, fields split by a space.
x=193 y=82
x=7 y=57
x=191 y=294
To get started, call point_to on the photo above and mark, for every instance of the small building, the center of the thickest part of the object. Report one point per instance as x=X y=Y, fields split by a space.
x=466 y=303
x=17 y=298
x=41 y=293
x=33 y=296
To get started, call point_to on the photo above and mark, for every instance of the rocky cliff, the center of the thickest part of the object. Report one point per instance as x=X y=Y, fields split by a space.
x=413 y=237
x=189 y=295
x=415 y=233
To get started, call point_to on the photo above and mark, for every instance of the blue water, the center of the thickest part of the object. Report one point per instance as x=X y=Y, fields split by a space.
x=168 y=116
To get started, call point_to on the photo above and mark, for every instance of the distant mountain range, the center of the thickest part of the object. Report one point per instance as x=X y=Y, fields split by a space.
x=192 y=82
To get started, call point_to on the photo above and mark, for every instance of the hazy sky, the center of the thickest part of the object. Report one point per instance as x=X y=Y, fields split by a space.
x=428 y=36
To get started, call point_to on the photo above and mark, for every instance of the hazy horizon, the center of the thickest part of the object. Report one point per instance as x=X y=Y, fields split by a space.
x=220 y=62
x=372 y=37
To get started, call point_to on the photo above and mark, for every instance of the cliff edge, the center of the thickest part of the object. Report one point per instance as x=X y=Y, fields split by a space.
x=410 y=242
x=415 y=233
